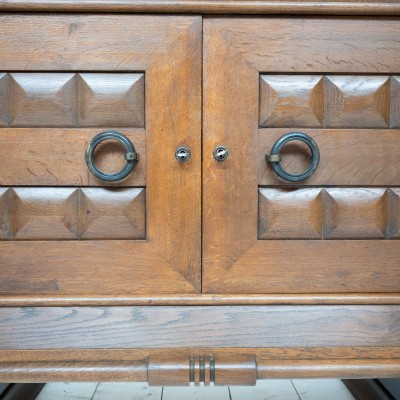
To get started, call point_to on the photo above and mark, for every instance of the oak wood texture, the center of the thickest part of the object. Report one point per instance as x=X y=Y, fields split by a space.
x=340 y=101
x=341 y=7
x=201 y=327
x=235 y=261
x=56 y=157
x=168 y=51
x=111 y=99
x=66 y=99
x=348 y=157
x=198 y=299
x=132 y=364
x=331 y=213
x=89 y=267
x=172 y=370
x=34 y=213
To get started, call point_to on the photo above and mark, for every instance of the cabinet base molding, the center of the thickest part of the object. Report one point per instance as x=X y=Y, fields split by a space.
x=202 y=300
x=240 y=343
x=173 y=368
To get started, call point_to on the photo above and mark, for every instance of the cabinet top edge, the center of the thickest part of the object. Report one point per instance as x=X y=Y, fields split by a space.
x=266 y=7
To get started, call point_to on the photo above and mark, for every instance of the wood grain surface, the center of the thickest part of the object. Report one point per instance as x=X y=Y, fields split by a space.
x=340 y=101
x=201 y=327
x=54 y=156
x=348 y=157
x=132 y=364
x=87 y=267
x=57 y=213
x=330 y=213
x=341 y=7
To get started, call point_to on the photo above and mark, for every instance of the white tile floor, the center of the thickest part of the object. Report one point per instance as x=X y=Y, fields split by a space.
x=297 y=389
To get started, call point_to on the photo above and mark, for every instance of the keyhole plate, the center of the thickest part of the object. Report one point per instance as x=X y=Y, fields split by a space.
x=220 y=153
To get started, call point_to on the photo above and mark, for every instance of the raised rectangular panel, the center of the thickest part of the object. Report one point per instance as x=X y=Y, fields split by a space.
x=107 y=99
x=395 y=103
x=290 y=213
x=357 y=101
x=42 y=99
x=291 y=100
x=112 y=213
x=44 y=213
x=358 y=213
x=3 y=99
x=4 y=213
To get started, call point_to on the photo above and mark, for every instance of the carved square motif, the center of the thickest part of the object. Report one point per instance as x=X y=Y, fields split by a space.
x=395 y=103
x=42 y=99
x=393 y=228
x=3 y=99
x=290 y=213
x=291 y=100
x=112 y=213
x=355 y=213
x=44 y=213
x=357 y=102
x=111 y=99
x=5 y=213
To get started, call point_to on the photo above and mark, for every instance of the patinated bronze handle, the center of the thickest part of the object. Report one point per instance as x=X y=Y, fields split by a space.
x=131 y=156
x=274 y=158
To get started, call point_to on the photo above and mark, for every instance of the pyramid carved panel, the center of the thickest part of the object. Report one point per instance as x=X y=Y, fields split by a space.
x=3 y=99
x=357 y=102
x=37 y=99
x=5 y=213
x=395 y=103
x=331 y=101
x=393 y=229
x=356 y=213
x=329 y=213
x=42 y=99
x=112 y=213
x=45 y=213
x=290 y=213
x=291 y=100
x=111 y=99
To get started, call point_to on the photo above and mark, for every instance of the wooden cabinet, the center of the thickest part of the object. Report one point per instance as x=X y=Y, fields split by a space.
x=205 y=270
x=65 y=231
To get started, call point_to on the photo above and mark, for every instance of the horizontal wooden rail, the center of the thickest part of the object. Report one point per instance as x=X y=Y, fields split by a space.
x=340 y=7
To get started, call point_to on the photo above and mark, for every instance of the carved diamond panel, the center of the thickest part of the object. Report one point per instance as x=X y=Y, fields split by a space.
x=290 y=213
x=395 y=103
x=291 y=100
x=45 y=213
x=357 y=101
x=42 y=99
x=3 y=99
x=112 y=213
x=4 y=213
x=355 y=213
x=111 y=99
x=393 y=229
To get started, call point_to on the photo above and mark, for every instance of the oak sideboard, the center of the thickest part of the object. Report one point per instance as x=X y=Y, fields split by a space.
x=199 y=191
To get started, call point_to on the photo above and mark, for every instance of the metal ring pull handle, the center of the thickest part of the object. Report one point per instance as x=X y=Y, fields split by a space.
x=275 y=157
x=131 y=156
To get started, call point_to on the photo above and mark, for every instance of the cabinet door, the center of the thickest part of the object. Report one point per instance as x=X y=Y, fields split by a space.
x=338 y=81
x=66 y=78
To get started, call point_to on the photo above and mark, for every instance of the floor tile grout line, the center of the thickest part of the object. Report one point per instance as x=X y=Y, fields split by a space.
x=95 y=391
x=229 y=392
x=294 y=387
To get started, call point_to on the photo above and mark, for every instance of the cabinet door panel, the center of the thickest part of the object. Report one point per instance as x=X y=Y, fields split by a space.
x=337 y=81
x=64 y=79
